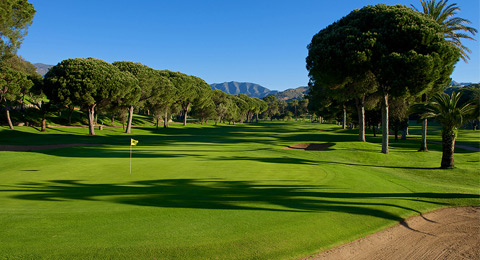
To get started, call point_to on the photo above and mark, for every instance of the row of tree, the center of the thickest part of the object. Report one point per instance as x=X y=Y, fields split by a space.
x=281 y=110
x=95 y=86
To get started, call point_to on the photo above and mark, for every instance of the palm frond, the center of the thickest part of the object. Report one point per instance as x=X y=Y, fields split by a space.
x=444 y=14
x=445 y=110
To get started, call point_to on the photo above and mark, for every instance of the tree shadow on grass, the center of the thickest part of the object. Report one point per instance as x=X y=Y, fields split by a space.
x=230 y=195
x=293 y=160
x=262 y=133
x=102 y=152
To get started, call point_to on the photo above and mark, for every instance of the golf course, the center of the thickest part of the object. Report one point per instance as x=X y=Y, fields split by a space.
x=217 y=192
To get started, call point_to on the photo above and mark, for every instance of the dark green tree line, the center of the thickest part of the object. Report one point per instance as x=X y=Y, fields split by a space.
x=399 y=50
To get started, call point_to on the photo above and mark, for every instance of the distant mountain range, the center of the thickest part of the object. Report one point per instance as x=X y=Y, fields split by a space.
x=292 y=93
x=462 y=84
x=249 y=89
x=42 y=69
x=255 y=90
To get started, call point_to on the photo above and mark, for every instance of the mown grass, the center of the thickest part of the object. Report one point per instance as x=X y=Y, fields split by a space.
x=465 y=136
x=207 y=192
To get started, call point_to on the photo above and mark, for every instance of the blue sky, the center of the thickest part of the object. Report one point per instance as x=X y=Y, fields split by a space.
x=259 y=41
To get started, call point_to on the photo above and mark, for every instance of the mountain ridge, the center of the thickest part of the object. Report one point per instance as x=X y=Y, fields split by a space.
x=42 y=68
x=247 y=88
x=258 y=91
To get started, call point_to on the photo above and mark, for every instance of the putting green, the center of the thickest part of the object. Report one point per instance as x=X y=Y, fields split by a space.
x=206 y=192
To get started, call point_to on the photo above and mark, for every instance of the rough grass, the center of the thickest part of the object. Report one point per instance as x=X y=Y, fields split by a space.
x=206 y=192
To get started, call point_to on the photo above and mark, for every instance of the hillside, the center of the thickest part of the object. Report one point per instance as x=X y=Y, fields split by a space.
x=461 y=84
x=292 y=93
x=42 y=69
x=255 y=90
x=250 y=89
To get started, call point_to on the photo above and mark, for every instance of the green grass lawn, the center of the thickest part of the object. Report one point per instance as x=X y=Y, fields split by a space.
x=206 y=192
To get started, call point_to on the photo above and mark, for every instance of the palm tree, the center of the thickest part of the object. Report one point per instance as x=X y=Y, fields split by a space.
x=455 y=28
x=443 y=108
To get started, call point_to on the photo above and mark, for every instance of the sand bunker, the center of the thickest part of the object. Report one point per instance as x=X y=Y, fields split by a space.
x=451 y=233
x=310 y=146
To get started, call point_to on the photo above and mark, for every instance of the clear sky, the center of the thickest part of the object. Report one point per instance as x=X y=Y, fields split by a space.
x=259 y=41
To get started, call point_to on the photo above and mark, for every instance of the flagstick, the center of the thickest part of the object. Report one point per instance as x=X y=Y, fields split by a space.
x=130 y=158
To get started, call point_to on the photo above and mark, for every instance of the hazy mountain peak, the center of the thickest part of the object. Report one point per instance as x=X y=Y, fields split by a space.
x=247 y=88
x=255 y=90
x=42 y=69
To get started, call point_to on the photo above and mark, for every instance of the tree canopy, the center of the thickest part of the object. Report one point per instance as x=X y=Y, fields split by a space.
x=15 y=18
x=402 y=51
x=12 y=83
x=87 y=83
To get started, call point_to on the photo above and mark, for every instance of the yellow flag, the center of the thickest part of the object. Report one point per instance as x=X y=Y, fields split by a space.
x=133 y=141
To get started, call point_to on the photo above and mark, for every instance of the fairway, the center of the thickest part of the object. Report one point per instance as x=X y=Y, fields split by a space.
x=215 y=192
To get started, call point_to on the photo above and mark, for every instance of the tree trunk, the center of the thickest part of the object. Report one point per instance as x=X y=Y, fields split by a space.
x=423 y=145
x=157 y=122
x=70 y=112
x=44 y=123
x=448 y=147
x=405 y=133
x=7 y=111
x=344 y=122
x=130 y=118
x=165 y=119
x=385 y=124
x=257 y=118
x=396 y=135
x=22 y=102
x=8 y=118
x=374 y=131
x=91 y=120
x=361 y=118
x=113 y=120
x=185 y=114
